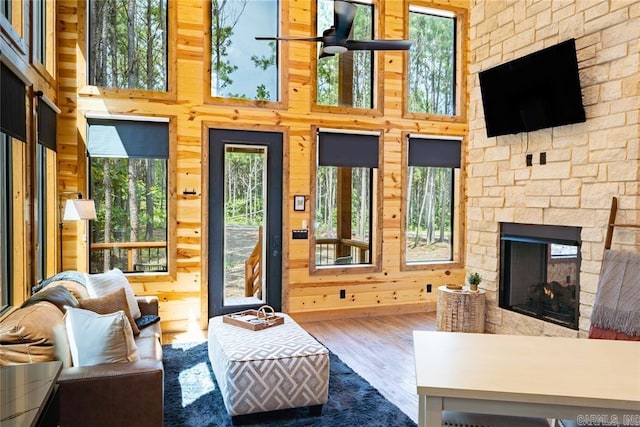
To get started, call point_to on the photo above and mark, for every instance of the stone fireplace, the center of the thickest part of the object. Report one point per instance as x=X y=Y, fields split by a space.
x=539 y=272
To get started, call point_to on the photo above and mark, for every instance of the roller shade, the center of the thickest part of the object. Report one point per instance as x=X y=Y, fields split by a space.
x=434 y=152
x=47 y=125
x=13 y=108
x=348 y=149
x=128 y=139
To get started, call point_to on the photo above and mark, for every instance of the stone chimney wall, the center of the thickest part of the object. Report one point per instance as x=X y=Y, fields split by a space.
x=587 y=163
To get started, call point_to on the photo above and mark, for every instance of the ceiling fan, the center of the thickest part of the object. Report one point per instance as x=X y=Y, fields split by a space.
x=335 y=39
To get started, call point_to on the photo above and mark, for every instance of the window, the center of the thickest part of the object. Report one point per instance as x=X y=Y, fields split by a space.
x=44 y=34
x=346 y=182
x=431 y=183
x=13 y=132
x=14 y=26
x=242 y=67
x=128 y=46
x=45 y=185
x=432 y=61
x=5 y=222
x=129 y=183
x=346 y=79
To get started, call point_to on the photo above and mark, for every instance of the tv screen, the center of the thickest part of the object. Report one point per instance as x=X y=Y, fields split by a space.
x=537 y=91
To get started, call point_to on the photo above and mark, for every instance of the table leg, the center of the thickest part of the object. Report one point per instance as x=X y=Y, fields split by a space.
x=429 y=411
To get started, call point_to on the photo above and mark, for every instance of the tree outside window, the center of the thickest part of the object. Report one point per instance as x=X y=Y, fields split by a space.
x=432 y=61
x=432 y=162
x=242 y=67
x=128 y=44
x=128 y=162
x=346 y=79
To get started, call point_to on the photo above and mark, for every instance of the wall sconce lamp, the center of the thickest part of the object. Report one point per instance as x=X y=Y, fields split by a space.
x=74 y=210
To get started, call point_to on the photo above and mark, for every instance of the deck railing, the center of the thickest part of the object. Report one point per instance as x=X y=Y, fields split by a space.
x=130 y=256
x=253 y=270
x=351 y=251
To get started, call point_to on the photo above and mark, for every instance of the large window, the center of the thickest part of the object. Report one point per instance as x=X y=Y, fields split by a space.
x=346 y=182
x=346 y=79
x=242 y=67
x=128 y=163
x=45 y=186
x=44 y=34
x=128 y=45
x=429 y=222
x=432 y=59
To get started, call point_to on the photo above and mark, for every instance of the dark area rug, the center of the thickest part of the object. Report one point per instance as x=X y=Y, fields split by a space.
x=192 y=398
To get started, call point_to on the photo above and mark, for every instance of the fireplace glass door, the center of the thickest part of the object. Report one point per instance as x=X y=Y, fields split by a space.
x=539 y=272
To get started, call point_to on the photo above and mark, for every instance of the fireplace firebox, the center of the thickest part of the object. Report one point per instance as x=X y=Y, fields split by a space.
x=540 y=271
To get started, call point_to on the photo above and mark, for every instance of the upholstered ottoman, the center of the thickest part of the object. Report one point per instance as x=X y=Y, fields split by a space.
x=275 y=368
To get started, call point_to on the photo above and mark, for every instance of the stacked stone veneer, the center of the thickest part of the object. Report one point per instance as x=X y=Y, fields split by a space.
x=587 y=163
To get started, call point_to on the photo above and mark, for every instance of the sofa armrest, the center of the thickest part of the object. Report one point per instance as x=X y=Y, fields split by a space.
x=148 y=304
x=112 y=394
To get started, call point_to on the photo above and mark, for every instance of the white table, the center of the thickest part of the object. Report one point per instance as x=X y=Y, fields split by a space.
x=526 y=376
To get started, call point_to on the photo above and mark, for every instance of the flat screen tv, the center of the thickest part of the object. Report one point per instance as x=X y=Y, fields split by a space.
x=537 y=91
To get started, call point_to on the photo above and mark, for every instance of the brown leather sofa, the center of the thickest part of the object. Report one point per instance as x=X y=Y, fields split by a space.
x=115 y=394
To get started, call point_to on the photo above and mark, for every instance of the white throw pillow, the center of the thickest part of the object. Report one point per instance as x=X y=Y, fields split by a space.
x=96 y=339
x=102 y=284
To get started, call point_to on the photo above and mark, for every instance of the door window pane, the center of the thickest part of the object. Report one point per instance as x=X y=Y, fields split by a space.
x=346 y=79
x=128 y=45
x=432 y=61
x=5 y=221
x=242 y=67
x=245 y=224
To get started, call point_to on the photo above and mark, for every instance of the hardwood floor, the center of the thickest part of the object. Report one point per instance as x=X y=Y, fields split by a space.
x=380 y=349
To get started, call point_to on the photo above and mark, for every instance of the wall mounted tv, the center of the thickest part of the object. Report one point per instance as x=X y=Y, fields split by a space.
x=540 y=90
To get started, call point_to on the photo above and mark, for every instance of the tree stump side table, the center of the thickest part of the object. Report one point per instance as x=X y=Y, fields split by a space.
x=460 y=310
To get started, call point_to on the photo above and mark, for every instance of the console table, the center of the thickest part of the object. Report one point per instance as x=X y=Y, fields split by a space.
x=28 y=394
x=460 y=310
x=549 y=377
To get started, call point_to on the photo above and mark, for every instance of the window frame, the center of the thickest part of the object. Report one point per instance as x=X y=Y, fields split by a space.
x=377 y=68
x=44 y=29
x=457 y=214
x=172 y=252
x=282 y=58
x=6 y=235
x=461 y=17
x=82 y=68
x=15 y=27
x=375 y=215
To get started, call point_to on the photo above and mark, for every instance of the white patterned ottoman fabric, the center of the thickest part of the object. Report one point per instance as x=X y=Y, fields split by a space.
x=275 y=368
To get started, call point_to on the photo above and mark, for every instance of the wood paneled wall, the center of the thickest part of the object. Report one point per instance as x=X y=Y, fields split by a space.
x=184 y=294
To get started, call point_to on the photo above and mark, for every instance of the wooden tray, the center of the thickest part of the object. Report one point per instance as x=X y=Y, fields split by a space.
x=254 y=320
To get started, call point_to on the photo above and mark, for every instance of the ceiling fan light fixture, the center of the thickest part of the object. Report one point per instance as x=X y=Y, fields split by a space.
x=334 y=49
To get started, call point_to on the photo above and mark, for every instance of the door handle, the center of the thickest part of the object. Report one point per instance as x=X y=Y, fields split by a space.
x=276 y=245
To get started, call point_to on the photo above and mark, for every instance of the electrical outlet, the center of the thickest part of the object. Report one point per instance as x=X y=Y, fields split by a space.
x=529 y=159
x=343 y=294
x=428 y=287
x=543 y=158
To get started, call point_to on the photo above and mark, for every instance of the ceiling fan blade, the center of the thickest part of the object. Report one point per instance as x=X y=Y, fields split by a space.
x=379 y=44
x=343 y=15
x=302 y=39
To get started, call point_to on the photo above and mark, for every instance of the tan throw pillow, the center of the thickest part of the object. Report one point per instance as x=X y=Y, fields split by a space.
x=104 y=283
x=110 y=303
x=96 y=339
x=26 y=334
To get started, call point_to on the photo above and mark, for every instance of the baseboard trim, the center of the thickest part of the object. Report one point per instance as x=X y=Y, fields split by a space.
x=350 y=313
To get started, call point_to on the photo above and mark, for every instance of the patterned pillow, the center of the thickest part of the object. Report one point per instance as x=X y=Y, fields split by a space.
x=146 y=320
x=96 y=339
x=102 y=284
x=110 y=303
